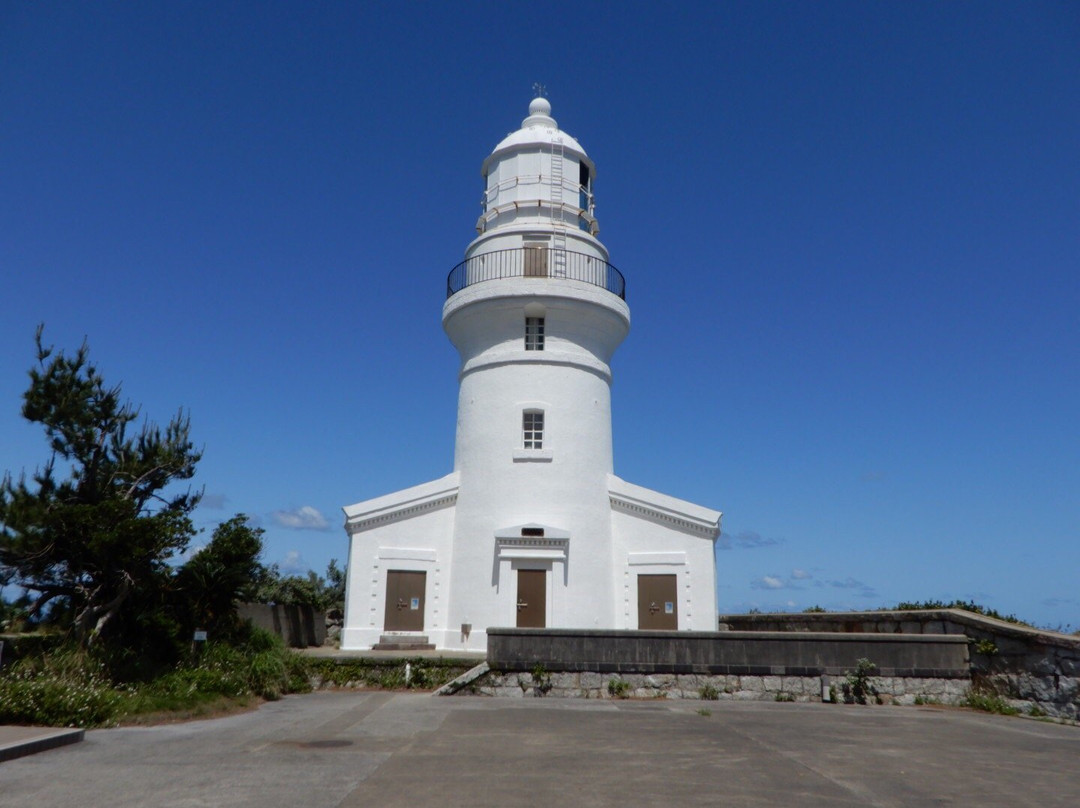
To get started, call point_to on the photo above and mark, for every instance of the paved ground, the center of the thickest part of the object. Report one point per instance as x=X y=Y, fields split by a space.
x=18 y=741
x=367 y=653
x=364 y=749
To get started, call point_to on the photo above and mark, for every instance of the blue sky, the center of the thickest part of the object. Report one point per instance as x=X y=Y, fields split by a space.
x=850 y=232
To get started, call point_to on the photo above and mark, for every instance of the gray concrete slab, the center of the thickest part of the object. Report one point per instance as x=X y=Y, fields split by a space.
x=21 y=741
x=403 y=749
x=464 y=657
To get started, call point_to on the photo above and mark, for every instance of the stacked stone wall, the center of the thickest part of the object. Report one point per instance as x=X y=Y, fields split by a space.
x=1032 y=669
x=705 y=687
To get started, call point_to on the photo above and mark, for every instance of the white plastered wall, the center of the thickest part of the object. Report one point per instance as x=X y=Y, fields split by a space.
x=421 y=543
x=643 y=547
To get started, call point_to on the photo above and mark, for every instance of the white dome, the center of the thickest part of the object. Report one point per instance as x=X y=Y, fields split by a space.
x=539 y=129
x=540 y=106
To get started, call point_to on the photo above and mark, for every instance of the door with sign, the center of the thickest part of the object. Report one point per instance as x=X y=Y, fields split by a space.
x=658 y=607
x=532 y=598
x=404 y=600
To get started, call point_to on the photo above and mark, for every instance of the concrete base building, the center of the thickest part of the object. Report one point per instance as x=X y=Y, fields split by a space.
x=532 y=527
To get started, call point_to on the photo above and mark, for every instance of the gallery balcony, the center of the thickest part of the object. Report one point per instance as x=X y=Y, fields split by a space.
x=541 y=263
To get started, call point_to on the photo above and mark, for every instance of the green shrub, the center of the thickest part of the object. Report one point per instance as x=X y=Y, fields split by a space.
x=72 y=687
x=58 y=703
x=541 y=680
x=618 y=688
x=259 y=639
x=297 y=673
x=988 y=702
x=859 y=684
x=709 y=692
x=66 y=689
x=965 y=605
x=388 y=674
x=267 y=674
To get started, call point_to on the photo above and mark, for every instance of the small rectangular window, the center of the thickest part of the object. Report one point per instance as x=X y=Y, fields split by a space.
x=533 y=429
x=534 y=333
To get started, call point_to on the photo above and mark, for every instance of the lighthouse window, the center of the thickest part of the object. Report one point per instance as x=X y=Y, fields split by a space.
x=584 y=195
x=533 y=429
x=534 y=333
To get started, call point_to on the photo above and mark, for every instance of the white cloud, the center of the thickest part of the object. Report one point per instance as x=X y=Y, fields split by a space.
x=767 y=582
x=294 y=563
x=751 y=538
x=793 y=581
x=848 y=583
x=864 y=590
x=305 y=518
x=746 y=539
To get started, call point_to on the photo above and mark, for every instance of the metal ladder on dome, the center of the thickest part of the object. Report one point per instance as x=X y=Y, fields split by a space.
x=558 y=226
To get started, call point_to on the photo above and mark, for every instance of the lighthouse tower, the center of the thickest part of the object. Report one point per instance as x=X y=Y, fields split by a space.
x=531 y=528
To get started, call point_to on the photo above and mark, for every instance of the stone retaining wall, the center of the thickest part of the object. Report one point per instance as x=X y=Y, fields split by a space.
x=728 y=653
x=729 y=665
x=1033 y=669
x=592 y=685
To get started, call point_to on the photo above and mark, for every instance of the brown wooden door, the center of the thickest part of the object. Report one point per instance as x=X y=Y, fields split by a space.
x=404 y=600
x=657 y=606
x=536 y=265
x=532 y=598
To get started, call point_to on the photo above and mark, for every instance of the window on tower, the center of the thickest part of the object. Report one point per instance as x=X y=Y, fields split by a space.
x=532 y=427
x=534 y=333
x=584 y=195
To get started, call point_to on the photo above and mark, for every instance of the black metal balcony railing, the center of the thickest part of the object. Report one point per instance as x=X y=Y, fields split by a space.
x=535 y=262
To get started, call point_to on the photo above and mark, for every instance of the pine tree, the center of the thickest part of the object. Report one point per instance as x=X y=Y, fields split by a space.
x=220 y=575
x=91 y=534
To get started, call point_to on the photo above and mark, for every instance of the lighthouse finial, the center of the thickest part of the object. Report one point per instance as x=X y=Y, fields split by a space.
x=539 y=89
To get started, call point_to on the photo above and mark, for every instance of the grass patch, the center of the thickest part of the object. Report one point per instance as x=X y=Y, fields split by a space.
x=72 y=688
x=988 y=703
x=708 y=692
x=386 y=674
x=59 y=700
x=146 y=715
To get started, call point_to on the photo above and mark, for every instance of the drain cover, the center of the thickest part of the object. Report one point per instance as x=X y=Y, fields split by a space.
x=329 y=743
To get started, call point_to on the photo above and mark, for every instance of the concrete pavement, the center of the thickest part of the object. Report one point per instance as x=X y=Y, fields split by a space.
x=20 y=741
x=345 y=749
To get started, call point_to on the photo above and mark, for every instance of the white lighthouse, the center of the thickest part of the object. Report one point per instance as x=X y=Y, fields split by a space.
x=532 y=527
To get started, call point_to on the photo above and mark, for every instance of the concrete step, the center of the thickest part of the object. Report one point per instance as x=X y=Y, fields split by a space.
x=403 y=642
x=19 y=741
